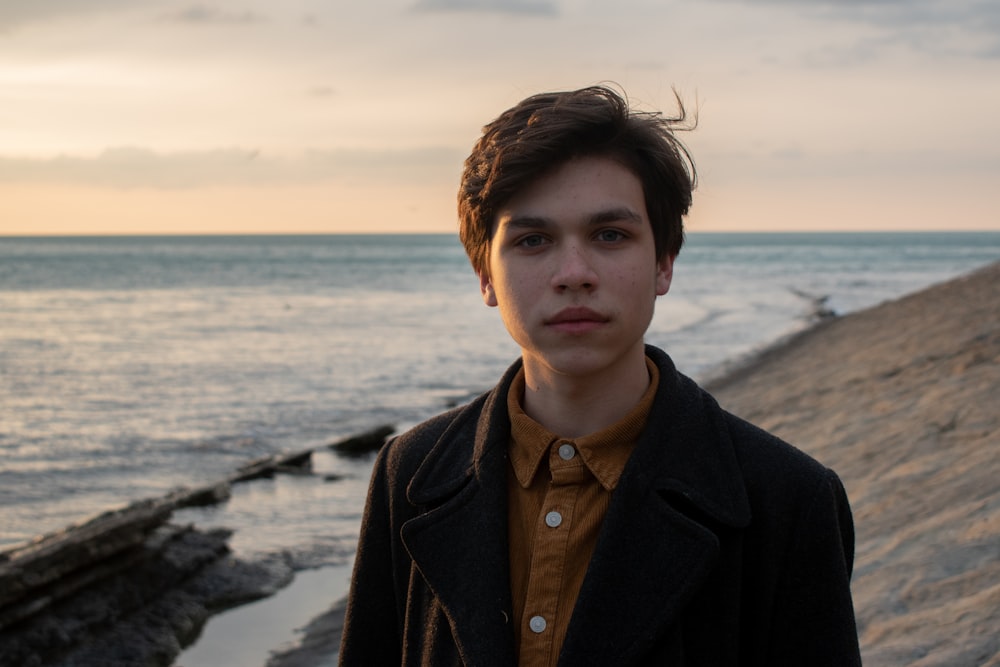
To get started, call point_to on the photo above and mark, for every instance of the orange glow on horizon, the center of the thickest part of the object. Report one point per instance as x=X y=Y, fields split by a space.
x=327 y=209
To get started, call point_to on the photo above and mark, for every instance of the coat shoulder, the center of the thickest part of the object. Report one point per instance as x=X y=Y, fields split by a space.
x=774 y=468
x=405 y=453
x=763 y=452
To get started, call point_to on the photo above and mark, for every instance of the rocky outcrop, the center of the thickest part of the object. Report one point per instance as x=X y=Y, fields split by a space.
x=364 y=443
x=130 y=588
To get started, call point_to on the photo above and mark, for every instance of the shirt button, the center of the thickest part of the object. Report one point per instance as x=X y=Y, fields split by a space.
x=537 y=624
x=553 y=519
x=566 y=451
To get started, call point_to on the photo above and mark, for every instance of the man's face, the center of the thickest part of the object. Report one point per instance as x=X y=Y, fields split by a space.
x=573 y=269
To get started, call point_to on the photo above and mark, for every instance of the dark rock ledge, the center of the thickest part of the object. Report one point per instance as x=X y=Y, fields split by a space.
x=129 y=587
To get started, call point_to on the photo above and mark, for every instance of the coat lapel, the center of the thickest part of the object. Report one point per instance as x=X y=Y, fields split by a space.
x=658 y=544
x=459 y=540
x=659 y=541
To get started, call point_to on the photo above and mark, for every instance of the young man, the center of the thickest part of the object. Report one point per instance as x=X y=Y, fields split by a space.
x=596 y=507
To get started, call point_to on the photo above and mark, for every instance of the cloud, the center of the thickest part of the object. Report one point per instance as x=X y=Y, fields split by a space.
x=967 y=15
x=17 y=12
x=792 y=165
x=14 y=13
x=130 y=167
x=322 y=91
x=133 y=167
x=939 y=27
x=204 y=15
x=517 y=7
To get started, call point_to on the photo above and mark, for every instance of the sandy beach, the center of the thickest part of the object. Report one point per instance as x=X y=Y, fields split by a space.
x=902 y=401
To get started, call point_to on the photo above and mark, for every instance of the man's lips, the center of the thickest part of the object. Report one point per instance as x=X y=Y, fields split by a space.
x=576 y=319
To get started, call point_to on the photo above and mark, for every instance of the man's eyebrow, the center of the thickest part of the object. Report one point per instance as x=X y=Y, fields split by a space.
x=617 y=214
x=524 y=222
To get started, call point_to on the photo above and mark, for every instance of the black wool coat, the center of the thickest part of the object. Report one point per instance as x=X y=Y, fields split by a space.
x=722 y=545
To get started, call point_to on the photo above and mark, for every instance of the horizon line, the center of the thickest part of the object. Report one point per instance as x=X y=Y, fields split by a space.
x=166 y=234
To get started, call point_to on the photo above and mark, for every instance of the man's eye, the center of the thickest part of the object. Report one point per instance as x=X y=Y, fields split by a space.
x=531 y=241
x=610 y=235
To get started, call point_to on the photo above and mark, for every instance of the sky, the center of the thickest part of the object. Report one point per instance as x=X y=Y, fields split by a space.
x=324 y=116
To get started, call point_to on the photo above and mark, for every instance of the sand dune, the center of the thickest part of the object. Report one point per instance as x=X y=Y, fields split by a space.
x=903 y=401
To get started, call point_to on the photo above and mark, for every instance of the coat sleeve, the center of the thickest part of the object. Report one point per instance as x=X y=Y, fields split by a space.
x=372 y=626
x=814 y=620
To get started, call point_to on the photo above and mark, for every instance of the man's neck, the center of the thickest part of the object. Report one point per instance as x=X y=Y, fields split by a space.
x=575 y=406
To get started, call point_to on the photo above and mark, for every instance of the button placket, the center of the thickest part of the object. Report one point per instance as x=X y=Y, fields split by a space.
x=549 y=551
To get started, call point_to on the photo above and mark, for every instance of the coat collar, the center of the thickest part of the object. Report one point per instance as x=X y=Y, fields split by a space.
x=452 y=462
x=659 y=540
x=685 y=449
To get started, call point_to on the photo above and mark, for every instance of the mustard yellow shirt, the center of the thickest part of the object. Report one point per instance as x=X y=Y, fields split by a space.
x=559 y=490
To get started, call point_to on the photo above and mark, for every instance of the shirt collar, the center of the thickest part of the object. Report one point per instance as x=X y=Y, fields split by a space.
x=605 y=452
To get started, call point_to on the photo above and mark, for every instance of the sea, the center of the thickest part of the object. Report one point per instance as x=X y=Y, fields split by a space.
x=132 y=366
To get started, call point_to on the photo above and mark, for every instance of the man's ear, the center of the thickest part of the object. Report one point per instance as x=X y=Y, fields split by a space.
x=664 y=274
x=486 y=287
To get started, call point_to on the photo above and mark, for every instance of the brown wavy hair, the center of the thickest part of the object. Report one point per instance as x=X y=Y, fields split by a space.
x=547 y=130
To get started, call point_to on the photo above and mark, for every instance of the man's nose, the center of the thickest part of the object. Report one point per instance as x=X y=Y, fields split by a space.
x=575 y=269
